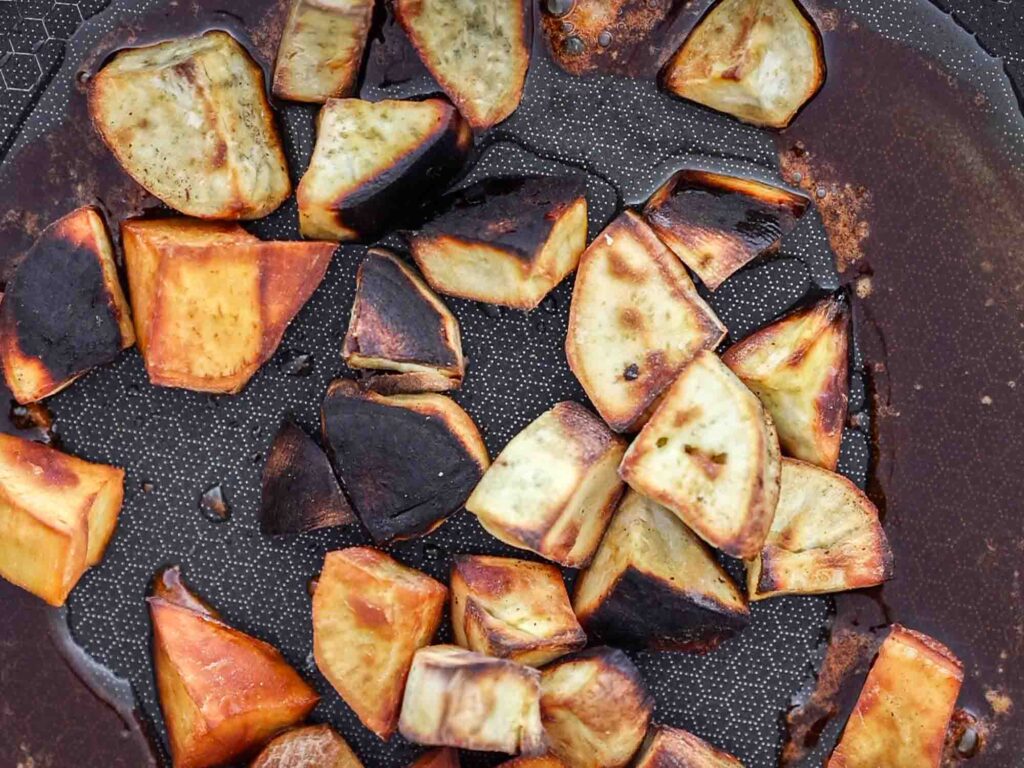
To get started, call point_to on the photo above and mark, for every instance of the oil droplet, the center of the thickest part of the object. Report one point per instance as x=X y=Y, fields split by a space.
x=296 y=363
x=214 y=505
x=604 y=39
x=573 y=46
x=559 y=7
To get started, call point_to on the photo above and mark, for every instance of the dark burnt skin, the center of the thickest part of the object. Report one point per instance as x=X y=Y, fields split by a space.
x=300 y=492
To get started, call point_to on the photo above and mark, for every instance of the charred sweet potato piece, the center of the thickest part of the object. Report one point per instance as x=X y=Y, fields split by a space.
x=595 y=708
x=504 y=241
x=477 y=50
x=211 y=302
x=222 y=692
x=321 y=49
x=554 y=487
x=710 y=454
x=314 y=746
x=757 y=60
x=63 y=311
x=406 y=461
x=653 y=583
x=399 y=324
x=392 y=151
x=675 y=748
x=798 y=368
x=189 y=120
x=300 y=492
x=635 y=321
x=513 y=609
x=903 y=712
x=717 y=224
x=459 y=698
x=446 y=757
x=370 y=615
x=826 y=537
x=57 y=515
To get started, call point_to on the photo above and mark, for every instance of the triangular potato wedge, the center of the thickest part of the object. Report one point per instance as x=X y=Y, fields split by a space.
x=370 y=615
x=314 y=746
x=406 y=461
x=477 y=50
x=826 y=537
x=675 y=748
x=505 y=240
x=372 y=158
x=757 y=60
x=321 y=49
x=717 y=224
x=211 y=302
x=635 y=321
x=222 y=692
x=189 y=120
x=399 y=324
x=654 y=584
x=798 y=367
x=711 y=455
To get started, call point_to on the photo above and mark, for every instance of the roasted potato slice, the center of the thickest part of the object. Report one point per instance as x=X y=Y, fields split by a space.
x=407 y=461
x=826 y=537
x=477 y=50
x=459 y=698
x=370 y=615
x=675 y=748
x=653 y=583
x=189 y=120
x=635 y=321
x=211 y=302
x=710 y=454
x=901 y=717
x=314 y=746
x=446 y=757
x=595 y=708
x=798 y=368
x=513 y=609
x=504 y=241
x=321 y=49
x=717 y=224
x=399 y=324
x=63 y=312
x=57 y=515
x=371 y=158
x=222 y=692
x=554 y=487
x=757 y=60
x=299 y=491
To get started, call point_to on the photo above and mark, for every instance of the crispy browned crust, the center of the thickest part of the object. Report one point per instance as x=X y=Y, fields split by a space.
x=667 y=747
x=63 y=312
x=406 y=383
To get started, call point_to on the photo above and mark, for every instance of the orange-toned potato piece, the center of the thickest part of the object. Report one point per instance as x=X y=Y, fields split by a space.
x=901 y=717
x=57 y=515
x=222 y=692
x=445 y=757
x=370 y=616
x=543 y=761
x=315 y=746
x=211 y=302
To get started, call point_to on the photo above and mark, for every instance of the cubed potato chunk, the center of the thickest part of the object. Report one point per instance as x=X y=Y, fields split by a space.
x=654 y=584
x=314 y=746
x=710 y=454
x=826 y=537
x=757 y=60
x=459 y=698
x=635 y=321
x=477 y=50
x=798 y=368
x=513 y=609
x=718 y=224
x=553 y=489
x=372 y=158
x=406 y=461
x=321 y=49
x=57 y=515
x=675 y=748
x=504 y=241
x=370 y=616
x=189 y=120
x=399 y=324
x=901 y=717
x=595 y=709
x=63 y=312
x=211 y=302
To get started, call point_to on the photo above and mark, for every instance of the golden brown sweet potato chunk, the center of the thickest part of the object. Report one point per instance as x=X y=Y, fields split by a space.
x=675 y=748
x=446 y=757
x=370 y=615
x=314 y=746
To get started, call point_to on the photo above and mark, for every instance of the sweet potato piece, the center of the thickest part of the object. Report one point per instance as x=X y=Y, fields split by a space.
x=446 y=757
x=315 y=746
x=675 y=748
x=541 y=761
